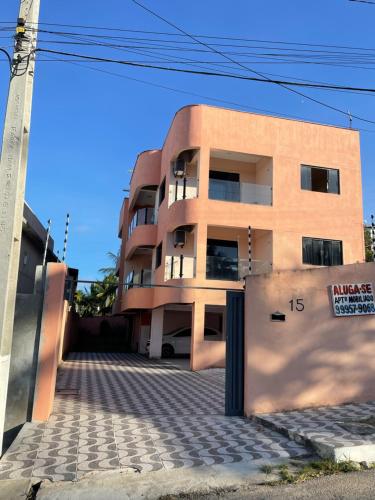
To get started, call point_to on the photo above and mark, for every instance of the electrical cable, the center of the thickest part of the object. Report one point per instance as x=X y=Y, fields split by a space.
x=363 y=1
x=206 y=73
x=249 y=69
x=8 y=57
x=193 y=62
x=106 y=28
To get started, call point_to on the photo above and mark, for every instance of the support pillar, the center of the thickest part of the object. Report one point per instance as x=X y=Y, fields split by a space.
x=157 y=320
x=197 y=334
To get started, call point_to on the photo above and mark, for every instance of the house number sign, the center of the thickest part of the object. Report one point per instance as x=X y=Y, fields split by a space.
x=354 y=299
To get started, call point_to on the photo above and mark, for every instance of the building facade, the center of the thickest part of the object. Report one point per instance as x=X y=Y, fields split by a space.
x=185 y=225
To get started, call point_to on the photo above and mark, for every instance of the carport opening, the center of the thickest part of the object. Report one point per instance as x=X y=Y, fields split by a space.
x=214 y=323
x=177 y=327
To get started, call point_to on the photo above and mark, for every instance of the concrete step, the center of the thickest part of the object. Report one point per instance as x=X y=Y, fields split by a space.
x=345 y=432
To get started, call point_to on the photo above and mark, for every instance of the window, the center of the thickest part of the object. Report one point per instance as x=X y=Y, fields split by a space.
x=322 y=252
x=222 y=260
x=159 y=250
x=162 y=192
x=183 y=333
x=224 y=186
x=322 y=180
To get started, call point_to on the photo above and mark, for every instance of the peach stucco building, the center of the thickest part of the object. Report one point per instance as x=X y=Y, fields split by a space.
x=185 y=225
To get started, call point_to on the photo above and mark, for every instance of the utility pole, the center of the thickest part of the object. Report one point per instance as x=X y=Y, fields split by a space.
x=13 y=163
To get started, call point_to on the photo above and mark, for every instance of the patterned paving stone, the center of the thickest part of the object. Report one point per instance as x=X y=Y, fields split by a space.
x=335 y=426
x=114 y=411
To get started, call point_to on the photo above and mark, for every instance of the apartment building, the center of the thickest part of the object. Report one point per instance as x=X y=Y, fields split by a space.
x=185 y=225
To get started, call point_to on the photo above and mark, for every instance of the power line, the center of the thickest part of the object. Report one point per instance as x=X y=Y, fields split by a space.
x=181 y=91
x=8 y=57
x=246 y=67
x=186 y=92
x=106 y=28
x=143 y=39
x=192 y=62
x=363 y=1
x=207 y=73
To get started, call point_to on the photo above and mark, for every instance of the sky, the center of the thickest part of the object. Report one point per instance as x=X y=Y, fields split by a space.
x=88 y=126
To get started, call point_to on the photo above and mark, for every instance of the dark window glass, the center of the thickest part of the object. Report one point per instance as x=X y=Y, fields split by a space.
x=224 y=186
x=222 y=260
x=306 y=178
x=337 y=259
x=333 y=181
x=225 y=176
x=322 y=180
x=184 y=333
x=162 y=192
x=322 y=252
x=159 y=250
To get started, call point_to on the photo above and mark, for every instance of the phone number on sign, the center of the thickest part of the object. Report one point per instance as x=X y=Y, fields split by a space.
x=355 y=309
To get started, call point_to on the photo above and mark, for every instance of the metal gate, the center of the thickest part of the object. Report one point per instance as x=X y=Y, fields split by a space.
x=234 y=374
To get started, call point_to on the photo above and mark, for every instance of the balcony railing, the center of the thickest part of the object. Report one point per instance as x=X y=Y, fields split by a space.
x=141 y=217
x=139 y=277
x=241 y=192
x=226 y=268
x=179 y=266
x=183 y=189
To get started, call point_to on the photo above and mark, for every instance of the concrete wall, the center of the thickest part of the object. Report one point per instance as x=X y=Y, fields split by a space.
x=313 y=358
x=23 y=363
x=98 y=334
x=50 y=340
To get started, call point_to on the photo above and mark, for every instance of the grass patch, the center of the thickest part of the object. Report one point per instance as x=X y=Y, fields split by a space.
x=315 y=469
x=266 y=469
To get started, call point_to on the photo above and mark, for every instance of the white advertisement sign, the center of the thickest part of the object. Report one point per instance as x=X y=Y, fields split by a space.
x=353 y=299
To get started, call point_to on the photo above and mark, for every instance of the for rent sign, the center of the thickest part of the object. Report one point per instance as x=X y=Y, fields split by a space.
x=353 y=299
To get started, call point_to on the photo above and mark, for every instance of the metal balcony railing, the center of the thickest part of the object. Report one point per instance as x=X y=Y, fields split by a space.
x=141 y=217
x=179 y=266
x=229 y=269
x=138 y=277
x=241 y=192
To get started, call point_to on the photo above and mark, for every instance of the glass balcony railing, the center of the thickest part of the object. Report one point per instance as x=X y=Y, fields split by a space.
x=138 y=278
x=241 y=192
x=141 y=217
x=183 y=189
x=226 y=268
x=179 y=266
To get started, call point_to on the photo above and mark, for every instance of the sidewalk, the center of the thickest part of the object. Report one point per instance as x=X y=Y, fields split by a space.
x=344 y=432
x=124 y=412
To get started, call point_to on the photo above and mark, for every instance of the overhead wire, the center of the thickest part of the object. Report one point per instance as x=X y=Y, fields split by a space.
x=241 y=106
x=285 y=86
x=106 y=28
x=206 y=73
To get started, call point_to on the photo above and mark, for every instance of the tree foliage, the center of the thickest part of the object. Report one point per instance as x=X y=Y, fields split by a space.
x=100 y=297
x=368 y=245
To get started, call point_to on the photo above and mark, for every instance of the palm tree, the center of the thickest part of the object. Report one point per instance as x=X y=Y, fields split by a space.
x=115 y=258
x=98 y=301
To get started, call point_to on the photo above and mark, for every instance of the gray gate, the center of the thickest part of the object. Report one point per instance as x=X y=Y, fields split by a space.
x=234 y=374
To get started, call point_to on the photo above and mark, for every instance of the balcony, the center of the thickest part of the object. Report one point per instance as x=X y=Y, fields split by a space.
x=183 y=189
x=179 y=266
x=240 y=177
x=228 y=269
x=138 y=294
x=241 y=192
x=143 y=216
x=142 y=277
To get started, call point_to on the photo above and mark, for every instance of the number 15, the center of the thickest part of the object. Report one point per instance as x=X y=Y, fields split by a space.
x=297 y=304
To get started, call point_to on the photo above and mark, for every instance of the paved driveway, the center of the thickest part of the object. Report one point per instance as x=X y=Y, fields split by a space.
x=115 y=411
